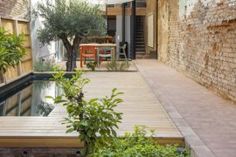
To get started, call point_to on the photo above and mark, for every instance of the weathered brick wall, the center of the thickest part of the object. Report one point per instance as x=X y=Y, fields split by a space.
x=202 y=43
x=14 y=8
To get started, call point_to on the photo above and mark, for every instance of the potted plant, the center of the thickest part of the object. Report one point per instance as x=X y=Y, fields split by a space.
x=91 y=65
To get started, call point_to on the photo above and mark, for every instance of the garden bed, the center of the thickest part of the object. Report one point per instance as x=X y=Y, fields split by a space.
x=47 y=66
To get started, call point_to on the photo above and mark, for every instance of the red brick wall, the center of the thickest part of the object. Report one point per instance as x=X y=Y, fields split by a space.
x=203 y=44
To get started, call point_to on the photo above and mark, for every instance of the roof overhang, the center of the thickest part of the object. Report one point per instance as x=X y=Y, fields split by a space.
x=117 y=1
x=110 y=1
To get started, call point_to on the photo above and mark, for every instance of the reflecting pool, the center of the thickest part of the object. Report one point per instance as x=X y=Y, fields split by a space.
x=30 y=100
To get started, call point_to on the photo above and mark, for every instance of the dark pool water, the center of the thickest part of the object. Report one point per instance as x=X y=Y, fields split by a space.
x=29 y=100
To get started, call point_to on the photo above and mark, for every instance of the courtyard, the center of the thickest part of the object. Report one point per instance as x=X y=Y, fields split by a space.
x=118 y=78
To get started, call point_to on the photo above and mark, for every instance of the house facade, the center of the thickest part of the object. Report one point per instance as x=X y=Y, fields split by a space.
x=196 y=37
x=139 y=33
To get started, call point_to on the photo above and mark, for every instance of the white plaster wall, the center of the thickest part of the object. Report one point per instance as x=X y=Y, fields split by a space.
x=38 y=50
x=118 y=31
x=127 y=32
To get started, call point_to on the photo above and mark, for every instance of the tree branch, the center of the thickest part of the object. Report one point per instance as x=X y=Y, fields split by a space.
x=66 y=42
x=76 y=42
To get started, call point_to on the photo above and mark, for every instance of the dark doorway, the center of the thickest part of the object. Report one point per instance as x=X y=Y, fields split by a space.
x=111 y=26
x=140 y=44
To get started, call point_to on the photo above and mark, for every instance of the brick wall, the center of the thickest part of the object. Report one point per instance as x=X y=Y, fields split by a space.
x=14 y=8
x=202 y=42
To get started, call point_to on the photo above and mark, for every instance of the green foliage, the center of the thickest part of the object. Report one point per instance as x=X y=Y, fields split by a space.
x=91 y=65
x=92 y=119
x=42 y=66
x=115 y=65
x=70 y=21
x=11 y=50
x=69 y=18
x=137 y=144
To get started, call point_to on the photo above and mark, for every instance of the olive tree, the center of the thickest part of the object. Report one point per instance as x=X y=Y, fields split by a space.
x=70 y=21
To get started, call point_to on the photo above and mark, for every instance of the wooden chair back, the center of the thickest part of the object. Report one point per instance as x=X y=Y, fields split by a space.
x=88 y=50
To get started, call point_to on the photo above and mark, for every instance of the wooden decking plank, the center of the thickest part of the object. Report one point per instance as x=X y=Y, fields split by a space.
x=140 y=107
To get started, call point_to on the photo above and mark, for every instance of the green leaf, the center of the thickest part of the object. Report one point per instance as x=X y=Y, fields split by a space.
x=89 y=118
x=11 y=49
x=49 y=97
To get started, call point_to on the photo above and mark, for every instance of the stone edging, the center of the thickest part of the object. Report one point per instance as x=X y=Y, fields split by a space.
x=192 y=140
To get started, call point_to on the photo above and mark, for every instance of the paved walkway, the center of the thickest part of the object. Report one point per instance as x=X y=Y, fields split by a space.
x=207 y=121
x=140 y=106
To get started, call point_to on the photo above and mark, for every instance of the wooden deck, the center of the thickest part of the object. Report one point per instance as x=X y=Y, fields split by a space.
x=140 y=108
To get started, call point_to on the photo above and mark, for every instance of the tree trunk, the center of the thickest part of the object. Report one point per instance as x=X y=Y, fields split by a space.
x=69 y=60
x=73 y=58
x=71 y=52
x=75 y=46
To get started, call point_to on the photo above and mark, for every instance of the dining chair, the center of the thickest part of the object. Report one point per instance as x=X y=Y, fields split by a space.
x=122 y=51
x=104 y=53
x=87 y=52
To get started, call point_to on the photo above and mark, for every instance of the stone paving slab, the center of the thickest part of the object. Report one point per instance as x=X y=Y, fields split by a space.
x=207 y=121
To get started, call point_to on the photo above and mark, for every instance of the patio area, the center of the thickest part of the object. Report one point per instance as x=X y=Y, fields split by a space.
x=140 y=107
x=175 y=62
x=206 y=120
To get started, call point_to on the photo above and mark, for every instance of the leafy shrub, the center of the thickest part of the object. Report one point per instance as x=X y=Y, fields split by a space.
x=115 y=65
x=91 y=65
x=92 y=119
x=11 y=50
x=44 y=65
x=137 y=144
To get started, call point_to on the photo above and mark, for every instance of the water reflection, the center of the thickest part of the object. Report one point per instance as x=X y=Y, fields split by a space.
x=30 y=101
